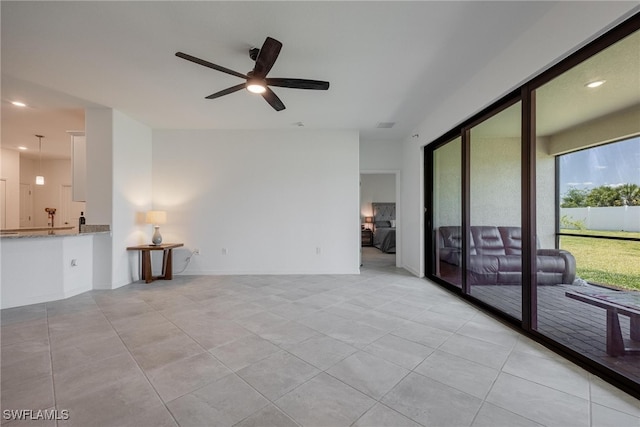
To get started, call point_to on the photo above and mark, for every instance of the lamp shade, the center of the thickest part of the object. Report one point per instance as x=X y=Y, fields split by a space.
x=156 y=217
x=368 y=219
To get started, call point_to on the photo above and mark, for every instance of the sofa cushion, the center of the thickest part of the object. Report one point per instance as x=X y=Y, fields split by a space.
x=510 y=263
x=451 y=237
x=512 y=239
x=486 y=241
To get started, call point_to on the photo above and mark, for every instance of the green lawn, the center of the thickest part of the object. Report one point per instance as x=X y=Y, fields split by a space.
x=613 y=263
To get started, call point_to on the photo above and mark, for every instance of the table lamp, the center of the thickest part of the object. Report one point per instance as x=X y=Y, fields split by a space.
x=155 y=218
x=368 y=220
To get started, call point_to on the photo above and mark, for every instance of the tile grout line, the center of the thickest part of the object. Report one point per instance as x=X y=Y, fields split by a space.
x=53 y=381
x=135 y=360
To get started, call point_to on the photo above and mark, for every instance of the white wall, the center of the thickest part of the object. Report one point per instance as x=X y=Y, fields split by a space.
x=412 y=212
x=278 y=202
x=376 y=187
x=132 y=192
x=380 y=155
x=566 y=27
x=119 y=190
x=99 y=133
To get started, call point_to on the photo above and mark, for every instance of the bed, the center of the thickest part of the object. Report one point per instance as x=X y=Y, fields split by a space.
x=384 y=227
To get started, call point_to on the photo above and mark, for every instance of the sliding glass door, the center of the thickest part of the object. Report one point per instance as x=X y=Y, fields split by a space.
x=587 y=127
x=494 y=262
x=533 y=207
x=447 y=212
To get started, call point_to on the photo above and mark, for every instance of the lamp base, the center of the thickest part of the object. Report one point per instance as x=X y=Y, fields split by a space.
x=157 y=238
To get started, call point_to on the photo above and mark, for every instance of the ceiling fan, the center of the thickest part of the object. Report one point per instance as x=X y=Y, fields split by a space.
x=256 y=79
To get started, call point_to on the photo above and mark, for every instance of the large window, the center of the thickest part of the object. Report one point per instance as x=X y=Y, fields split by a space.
x=534 y=209
x=599 y=191
x=578 y=114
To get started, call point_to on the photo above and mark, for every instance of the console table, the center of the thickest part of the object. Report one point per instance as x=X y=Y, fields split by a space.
x=145 y=251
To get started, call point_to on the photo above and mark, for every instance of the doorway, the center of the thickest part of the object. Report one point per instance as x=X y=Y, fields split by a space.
x=382 y=244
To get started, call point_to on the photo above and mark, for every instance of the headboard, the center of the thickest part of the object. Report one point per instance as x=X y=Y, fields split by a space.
x=383 y=212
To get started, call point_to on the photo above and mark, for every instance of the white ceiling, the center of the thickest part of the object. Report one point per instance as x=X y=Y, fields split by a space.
x=386 y=61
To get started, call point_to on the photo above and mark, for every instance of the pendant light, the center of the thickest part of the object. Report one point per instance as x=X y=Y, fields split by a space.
x=40 y=178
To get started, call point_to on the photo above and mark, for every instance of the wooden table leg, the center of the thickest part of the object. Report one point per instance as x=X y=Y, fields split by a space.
x=635 y=328
x=167 y=265
x=615 y=343
x=146 y=266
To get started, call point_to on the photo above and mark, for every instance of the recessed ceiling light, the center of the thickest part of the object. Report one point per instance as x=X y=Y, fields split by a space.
x=19 y=104
x=20 y=147
x=595 y=84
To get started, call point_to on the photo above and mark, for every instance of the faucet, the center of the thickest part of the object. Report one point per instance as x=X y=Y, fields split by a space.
x=52 y=213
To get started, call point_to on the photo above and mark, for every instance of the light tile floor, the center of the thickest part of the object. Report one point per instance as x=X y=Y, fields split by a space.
x=382 y=348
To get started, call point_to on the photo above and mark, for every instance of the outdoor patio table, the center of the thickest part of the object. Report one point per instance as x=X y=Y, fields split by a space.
x=615 y=302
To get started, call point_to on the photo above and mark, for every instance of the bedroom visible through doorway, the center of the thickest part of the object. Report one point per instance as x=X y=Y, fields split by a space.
x=379 y=217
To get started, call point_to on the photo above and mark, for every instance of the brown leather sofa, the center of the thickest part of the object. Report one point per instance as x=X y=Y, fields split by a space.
x=496 y=256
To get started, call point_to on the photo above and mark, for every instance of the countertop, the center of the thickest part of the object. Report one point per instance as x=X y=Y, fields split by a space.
x=21 y=233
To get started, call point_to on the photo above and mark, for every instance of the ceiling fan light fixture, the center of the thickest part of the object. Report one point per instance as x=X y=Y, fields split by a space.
x=256 y=86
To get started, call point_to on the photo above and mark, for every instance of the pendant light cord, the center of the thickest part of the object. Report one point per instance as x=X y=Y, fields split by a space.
x=39 y=154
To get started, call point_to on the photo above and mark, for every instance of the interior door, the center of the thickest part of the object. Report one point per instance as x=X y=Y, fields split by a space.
x=26 y=205
x=3 y=203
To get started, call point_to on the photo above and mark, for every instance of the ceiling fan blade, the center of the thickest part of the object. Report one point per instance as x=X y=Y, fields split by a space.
x=226 y=91
x=298 y=83
x=273 y=100
x=267 y=57
x=210 y=65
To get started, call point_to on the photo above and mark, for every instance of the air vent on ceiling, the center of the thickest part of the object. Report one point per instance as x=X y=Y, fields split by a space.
x=385 y=125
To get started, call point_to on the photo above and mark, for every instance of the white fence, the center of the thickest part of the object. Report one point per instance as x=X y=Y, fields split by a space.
x=616 y=218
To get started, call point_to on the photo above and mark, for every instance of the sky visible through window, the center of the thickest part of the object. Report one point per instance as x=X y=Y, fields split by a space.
x=611 y=164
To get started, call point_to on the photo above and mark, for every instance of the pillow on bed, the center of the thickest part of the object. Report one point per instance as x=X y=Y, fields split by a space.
x=383 y=224
x=393 y=223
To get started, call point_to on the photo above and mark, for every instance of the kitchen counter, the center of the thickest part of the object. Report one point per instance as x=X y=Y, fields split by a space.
x=19 y=233
x=41 y=265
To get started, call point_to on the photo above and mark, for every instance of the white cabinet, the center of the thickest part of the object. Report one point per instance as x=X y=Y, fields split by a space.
x=79 y=165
